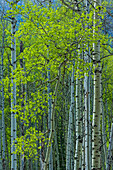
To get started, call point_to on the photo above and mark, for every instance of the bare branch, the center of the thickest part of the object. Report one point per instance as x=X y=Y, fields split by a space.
x=70 y=7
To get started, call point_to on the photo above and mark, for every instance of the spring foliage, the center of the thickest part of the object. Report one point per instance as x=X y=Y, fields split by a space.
x=50 y=36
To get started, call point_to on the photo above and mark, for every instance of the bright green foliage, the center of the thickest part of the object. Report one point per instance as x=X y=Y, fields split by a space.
x=50 y=37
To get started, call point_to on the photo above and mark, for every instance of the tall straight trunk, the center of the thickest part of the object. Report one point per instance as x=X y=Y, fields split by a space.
x=79 y=121
x=2 y=73
x=81 y=108
x=13 y=95
x=89 y=114
x=96 y=145
x=3 y=120
x=73 y=113
x=78 y=127
x=83 y=126
x=22 y=156
x=87 y=107
x=49 y=117
x=70 y=127
x=67 y=98
x=86 y=120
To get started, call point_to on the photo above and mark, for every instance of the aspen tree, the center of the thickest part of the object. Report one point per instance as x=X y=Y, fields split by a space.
x=86 y=122
x=49 y=115
x=77 y=154
x=96 y=145
x=54 y=31
x=87 y=106
x=52 y=119
x=79 y=120
x=13 y=95
x=70 y=127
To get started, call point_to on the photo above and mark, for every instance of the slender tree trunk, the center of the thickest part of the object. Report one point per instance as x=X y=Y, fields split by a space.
x=52 y=126
x=3 y=119
x=86 y=120
x=52 y=118
x=96 y=145
x=22 y=157
x=87 y=107
x=73 y=113
x=69 y=137
x=77 y=153
x=49 y=118
x=13 y=96
x=89 y=112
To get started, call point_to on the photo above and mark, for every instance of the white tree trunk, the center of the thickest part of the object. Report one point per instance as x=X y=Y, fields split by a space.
x=13 y=96
x=86 y=114
x=49 y=118
x=97 y=104
x=69 y=137
x=78 y=127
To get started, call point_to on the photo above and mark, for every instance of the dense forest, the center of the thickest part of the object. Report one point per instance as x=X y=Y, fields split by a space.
x=56 y=85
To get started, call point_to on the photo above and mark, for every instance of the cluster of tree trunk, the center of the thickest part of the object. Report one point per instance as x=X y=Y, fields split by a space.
x=71 y=113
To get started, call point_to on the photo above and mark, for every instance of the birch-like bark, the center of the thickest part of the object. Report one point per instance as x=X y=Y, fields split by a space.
x=89 y=114
x=86 y=93
x=81 y=119
x=87 y=108
x=73 y=113
x=13 y=95
x=69 y=137
x=49 y=117
x=83 y=129
x=68 y=152
x=77 y=154
x=97 y=104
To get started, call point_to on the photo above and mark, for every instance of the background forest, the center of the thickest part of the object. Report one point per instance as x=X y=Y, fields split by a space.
x=56 y=85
